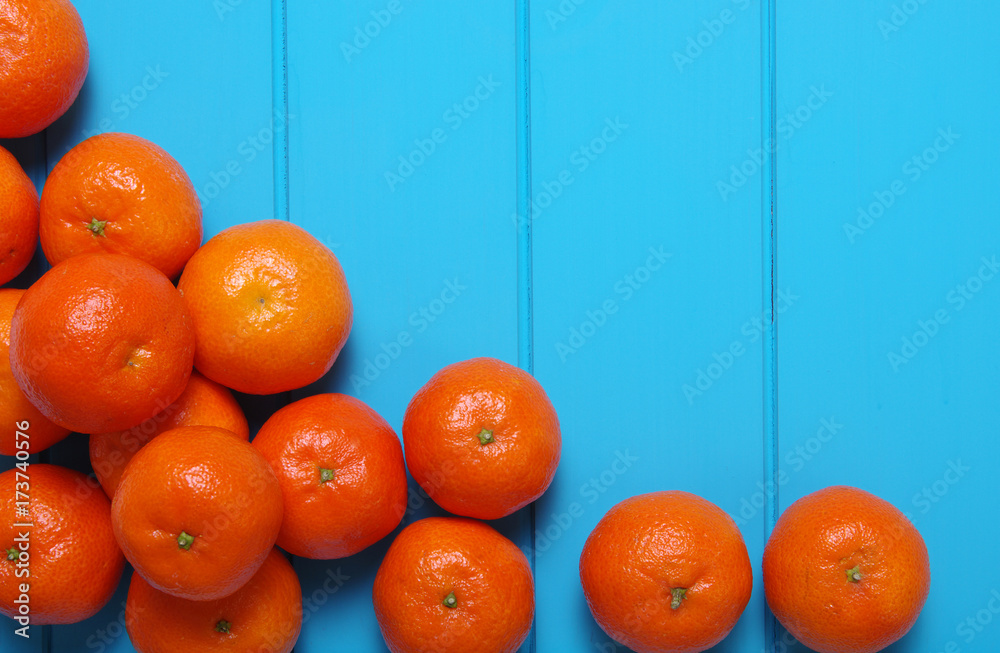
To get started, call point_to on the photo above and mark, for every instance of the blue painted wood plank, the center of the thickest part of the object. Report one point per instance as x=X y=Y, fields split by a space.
x=402 y=159
x=193 y=77
x=647 y=275
x=199 y=85
x=887 y=228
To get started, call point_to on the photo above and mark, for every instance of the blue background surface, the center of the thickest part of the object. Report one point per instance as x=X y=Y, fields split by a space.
x=721 y=234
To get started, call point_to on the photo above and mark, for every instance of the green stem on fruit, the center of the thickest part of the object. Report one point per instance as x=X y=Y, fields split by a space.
x=450 y=601
x=185 y=541
x=485 y=436
x=97 y=226
x=223 y=626
x=854 y=575
x=326 y=475
x=678 y=594
x=13 y=554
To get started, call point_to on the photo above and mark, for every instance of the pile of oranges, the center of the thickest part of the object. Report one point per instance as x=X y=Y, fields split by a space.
x=138 y=335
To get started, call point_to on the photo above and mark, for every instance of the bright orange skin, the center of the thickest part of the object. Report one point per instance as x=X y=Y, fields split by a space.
x=271 y=307
x=147 y=202
x=647 y=546
x=101 y=342
x=448 y=460
x=366 y=498
x=43 y=62
x=816 y=541
x=18 y=215
x=73 y=560
x=14 y=406
x=205 y=482
x=203 y=403
x=487 y=573
x=263 y=615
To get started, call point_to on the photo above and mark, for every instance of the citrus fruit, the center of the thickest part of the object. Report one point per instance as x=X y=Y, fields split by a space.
x=44 y=52
x=67 y=555
x=845 y=571
x=18 y=215
x=270 y=305
x=121 y=194
x=203 y=403
x=666 y=572
x=101 y=342
x=482 y=438
x=449 y=584
x=340 y=466
x=263 y=615
x=38 y=433
x=196 y=512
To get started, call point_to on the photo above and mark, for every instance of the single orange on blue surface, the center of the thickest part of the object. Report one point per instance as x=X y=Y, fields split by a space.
x=482 y=438
x=453 y=585
x=666 y=572
x=845 y=571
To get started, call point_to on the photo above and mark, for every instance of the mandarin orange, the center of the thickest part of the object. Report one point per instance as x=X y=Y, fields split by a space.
x=482 y=438
x=101 y=342
x=121 y=194
x=270 y=305
x=666 y=572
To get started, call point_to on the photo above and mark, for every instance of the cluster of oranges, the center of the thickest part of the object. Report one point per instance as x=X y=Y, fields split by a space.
x=106 y=343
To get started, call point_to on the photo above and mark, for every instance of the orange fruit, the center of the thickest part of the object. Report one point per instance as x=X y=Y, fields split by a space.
x=38 y=432
x=203 y=403
x=18 y=214
x=482 y=438
x=44 y=52
x=340 y=466
x=101 y=342
x=121 y=194
x=67 y=555
x=263 y=615
x=453 y=585
x=197 y=512
x=845 y=571
x=666 y=572
x=271 y=307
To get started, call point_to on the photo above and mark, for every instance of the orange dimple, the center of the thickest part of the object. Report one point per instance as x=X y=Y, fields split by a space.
x=844 y=556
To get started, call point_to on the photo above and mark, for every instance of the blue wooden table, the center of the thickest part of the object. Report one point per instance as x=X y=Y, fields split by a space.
x=748 y=248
